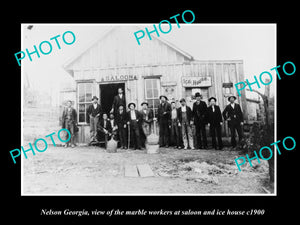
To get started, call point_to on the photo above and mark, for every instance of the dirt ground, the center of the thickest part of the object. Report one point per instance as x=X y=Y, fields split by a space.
x=91 y=170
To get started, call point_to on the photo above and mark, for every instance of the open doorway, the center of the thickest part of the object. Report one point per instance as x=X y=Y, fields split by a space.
x=107 y=94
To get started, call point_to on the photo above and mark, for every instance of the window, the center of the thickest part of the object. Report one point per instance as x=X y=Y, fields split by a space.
x=85 y=92
x=152 y=92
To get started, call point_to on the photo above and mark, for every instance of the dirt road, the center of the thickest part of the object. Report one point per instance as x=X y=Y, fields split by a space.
x=91 y=170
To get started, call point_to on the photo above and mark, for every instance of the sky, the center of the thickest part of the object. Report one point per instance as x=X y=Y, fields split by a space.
x=255 y=44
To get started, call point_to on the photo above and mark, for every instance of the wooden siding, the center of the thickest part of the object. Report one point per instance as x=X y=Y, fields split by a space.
x=118 y=54
x=119 y=48
x=220 y=72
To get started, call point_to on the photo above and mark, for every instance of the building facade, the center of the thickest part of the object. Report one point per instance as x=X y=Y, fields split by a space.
x=145 y=72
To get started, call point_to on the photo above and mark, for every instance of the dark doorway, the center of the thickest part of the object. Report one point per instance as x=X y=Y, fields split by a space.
x=107 y=94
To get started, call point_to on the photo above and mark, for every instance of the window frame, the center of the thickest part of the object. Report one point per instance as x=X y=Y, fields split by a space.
x=158 y=82
x=86 y=103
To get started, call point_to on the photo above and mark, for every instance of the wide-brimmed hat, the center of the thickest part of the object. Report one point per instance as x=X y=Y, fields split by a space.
x=163 y=96
x=94 y=97
x=197 y=94
x=182 y=100
x=211 y=99
x=131 y=103
x=143 y=103
x=232 y=96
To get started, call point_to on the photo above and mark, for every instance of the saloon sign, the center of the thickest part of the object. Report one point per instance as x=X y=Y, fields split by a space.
x=196 y=81
x=118 y=78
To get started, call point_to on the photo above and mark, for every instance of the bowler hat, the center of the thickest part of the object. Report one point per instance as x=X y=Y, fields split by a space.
x=232 y=96
x=144 y=103
x=211 y=99
x=131 y=103
x=182 y=100
x=163 y=96
x=94 y=97
x=197 y=94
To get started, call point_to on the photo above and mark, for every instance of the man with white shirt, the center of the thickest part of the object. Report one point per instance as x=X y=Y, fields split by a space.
x=185 y=118
x=93 y=113
x=175 y=131
x=234 y=115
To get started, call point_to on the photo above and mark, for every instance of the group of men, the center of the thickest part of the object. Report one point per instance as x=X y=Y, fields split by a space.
x=176 y=124
x=132 y=127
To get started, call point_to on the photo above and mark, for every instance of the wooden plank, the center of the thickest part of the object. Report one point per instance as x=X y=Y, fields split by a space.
x=145 y=170
x=131 y=171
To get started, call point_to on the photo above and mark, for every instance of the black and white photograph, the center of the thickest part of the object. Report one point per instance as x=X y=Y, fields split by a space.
x=140 y=113
x=131 y=109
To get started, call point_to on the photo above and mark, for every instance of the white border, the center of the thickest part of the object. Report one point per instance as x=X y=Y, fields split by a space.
x=151 y=194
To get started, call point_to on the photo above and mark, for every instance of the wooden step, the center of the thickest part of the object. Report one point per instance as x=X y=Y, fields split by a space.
x=131 y=171
x=145 y=170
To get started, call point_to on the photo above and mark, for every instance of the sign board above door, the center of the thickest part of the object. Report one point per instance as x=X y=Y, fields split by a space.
x=118 y=78
x=196 y=81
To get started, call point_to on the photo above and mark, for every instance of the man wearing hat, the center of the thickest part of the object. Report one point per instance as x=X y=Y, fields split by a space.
x=215 y=122
x=200 y=120
x=185 y=118
x=234 y=115
x=134 y=122
x=163 y=118
x=147 y=118
x=93 y=113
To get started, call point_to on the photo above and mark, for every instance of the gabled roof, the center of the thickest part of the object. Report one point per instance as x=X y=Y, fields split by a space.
x=110 y=29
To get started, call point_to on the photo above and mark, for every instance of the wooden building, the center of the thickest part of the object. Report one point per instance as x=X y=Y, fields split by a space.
x=145 y=72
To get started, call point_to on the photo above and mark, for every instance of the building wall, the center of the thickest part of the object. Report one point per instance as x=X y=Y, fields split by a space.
x=117 y=57
x=118 y=47
x=170 y=75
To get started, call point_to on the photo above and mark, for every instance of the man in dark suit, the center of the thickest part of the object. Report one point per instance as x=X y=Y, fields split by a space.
x=215 y=122
x=185 y=118
x=121 y=120
x=234 y=115
x=200 y=117
x=104 y=129
x=69 y=120
x=134 y=122
x=163 y=118
x=119 y=99
x=93 y=112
